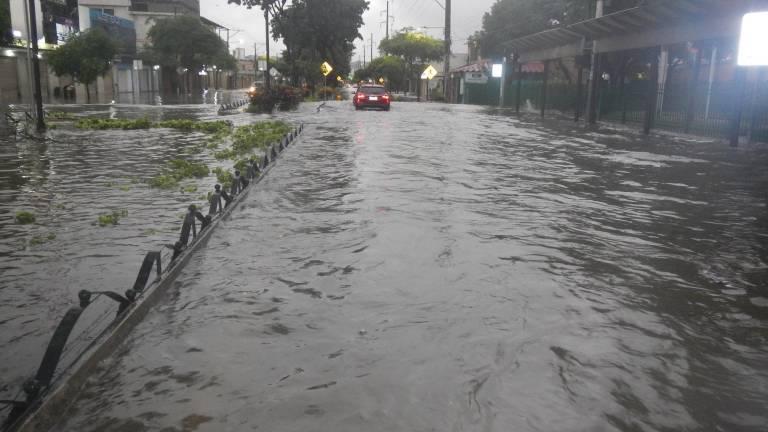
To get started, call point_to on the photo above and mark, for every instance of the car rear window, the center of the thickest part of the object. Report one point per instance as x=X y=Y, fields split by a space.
x=372 y=90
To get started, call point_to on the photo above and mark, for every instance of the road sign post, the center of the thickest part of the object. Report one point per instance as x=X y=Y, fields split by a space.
x=325 y=68
x=429 y=73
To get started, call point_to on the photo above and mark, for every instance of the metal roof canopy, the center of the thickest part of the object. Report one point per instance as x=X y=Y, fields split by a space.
x=661 y=16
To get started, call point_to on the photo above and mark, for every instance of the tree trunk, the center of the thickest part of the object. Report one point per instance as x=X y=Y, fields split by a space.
x=87 y=94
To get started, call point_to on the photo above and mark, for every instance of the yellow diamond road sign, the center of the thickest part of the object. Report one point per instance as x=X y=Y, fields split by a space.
x=325 y=68
x=429 y=73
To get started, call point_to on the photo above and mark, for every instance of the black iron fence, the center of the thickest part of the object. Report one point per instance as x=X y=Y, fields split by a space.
x=49 y=387
x=701 y=109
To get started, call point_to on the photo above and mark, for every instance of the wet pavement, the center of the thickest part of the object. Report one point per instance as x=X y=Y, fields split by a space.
x=447 y=268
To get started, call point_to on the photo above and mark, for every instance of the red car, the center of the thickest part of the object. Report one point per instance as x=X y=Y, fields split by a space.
x=371 y=96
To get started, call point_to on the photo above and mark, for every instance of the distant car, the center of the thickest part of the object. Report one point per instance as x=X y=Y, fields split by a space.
x=254 y=89
x=371 y=96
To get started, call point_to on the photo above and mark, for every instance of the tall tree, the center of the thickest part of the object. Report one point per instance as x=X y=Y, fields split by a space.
x=184 y=42
x=85 y=57
x=315 y=31
x=509 y=19
x=391 y=68
x=416 y=49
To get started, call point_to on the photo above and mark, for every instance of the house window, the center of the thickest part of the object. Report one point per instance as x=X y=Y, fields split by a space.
x=108 y=12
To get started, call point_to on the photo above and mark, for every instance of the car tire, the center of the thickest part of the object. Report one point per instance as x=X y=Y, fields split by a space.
x=386 y=109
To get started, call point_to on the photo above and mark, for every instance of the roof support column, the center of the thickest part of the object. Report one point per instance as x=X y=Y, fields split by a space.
x=652 y=92
x=579 y=93
x=690 y=113
x=544 y=82
x=519 y=87
x=738 y=105
x=594 y=82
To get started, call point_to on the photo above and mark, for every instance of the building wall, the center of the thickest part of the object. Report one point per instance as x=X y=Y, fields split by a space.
x=18 y=21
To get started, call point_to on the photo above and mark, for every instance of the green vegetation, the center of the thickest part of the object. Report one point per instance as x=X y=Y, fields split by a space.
x=184 y=42
x=85 y=57
x=189 y=189
x=219 y=128
x=257 y=136
x=25 y=217
x=177 y=170
x=112 y=218
x=213 y=127
x=100 y=124
x=414 y=49
x=223 y=177
x=40 y=239
x=60 y=115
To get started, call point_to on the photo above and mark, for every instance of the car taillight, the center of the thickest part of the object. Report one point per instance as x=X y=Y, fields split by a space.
x=386 y=97
x=360 y=96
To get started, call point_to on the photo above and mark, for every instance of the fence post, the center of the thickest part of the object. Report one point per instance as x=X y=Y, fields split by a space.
x=653 y=91
x=544 y=88
x=623 y=87
x=740 y=80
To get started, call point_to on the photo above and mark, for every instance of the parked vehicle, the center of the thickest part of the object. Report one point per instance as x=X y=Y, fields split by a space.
x=372 y=96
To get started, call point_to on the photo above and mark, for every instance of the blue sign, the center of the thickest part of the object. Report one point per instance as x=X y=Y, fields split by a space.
x=121 y=29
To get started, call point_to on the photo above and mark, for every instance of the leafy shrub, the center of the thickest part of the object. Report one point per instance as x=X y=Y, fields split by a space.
x=100 y=124
x=262 y=101
x=288 y=97
x=25 y=217
x=177 y=170
x=112 y=218
x=223 y=177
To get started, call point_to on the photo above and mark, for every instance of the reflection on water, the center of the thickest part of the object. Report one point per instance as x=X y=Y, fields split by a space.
x=451 y=268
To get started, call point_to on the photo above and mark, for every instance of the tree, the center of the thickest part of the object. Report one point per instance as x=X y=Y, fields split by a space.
x=315 y=31
x=184 y=42
x=510 y=19
x=85 y=56
x=391 y=68
x=415 y=49
x=6 y=34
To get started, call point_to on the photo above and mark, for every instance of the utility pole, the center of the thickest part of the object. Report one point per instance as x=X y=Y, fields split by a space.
x=266 y=69
x=447 y=62
x=363 y=55
x=36 y=67
x=371 y=46
x=387 y=28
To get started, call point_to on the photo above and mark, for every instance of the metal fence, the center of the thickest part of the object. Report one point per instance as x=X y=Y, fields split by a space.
x=711 y=113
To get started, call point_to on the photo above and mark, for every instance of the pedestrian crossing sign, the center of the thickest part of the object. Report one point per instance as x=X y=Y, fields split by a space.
x=325 y=68
x=429 y=73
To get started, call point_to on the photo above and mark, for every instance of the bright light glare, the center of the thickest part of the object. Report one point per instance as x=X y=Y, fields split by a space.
x=496 y=70
x=9 y=53
x=753 y=50
x=16 y=34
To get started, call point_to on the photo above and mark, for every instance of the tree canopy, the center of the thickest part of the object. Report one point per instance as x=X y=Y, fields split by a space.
x=184 y=41
x=315 y=31
x=414 y=48
x=85 y=56
x=391 y=68
x=509 y=19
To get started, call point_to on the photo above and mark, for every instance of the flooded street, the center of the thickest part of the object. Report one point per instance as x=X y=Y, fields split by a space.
x=433 y=268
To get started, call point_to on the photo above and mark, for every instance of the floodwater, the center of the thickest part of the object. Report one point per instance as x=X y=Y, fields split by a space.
x=442 y=268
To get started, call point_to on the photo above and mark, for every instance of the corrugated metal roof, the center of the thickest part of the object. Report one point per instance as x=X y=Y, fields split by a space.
x=650 y=14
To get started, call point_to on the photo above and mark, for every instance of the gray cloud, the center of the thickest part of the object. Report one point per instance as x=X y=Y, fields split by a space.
x=247 y=26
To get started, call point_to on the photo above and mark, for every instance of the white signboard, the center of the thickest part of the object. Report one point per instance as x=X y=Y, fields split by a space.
x=496 y=72
x=753 y=50
x=475 y=78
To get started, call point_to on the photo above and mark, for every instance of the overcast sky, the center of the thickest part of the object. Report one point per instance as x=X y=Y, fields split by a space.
x=247 y=26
